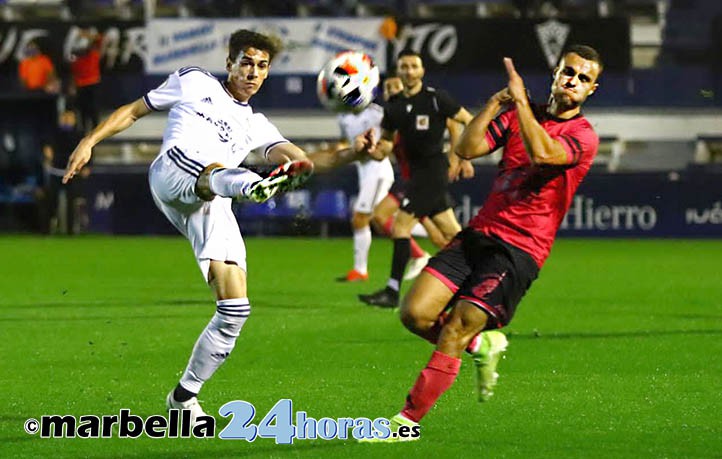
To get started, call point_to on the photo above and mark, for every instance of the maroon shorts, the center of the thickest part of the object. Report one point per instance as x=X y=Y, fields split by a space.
x=485 y=271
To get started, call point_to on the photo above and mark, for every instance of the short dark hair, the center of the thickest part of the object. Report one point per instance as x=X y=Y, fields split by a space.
x=243 y=39
x=585 y=52
x=408 y=52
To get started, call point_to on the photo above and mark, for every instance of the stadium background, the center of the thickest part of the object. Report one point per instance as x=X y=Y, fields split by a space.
x=617 y=347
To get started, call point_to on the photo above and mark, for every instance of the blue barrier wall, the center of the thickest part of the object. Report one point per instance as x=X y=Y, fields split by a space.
x=677 y=204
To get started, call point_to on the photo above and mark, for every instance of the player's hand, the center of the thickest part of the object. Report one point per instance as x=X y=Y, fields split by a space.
x=367 y=143
x=502 y=97
x=467 y=169
x=516 y=88
x=77 y=160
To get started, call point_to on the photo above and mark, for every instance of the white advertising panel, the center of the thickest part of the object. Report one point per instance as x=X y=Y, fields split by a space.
x=308 y=43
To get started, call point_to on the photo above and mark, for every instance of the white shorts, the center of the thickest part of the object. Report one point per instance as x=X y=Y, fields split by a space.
x=210 y=226
x=374 y=180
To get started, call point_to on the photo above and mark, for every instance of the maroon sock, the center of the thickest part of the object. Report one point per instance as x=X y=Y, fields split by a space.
x=438 y=376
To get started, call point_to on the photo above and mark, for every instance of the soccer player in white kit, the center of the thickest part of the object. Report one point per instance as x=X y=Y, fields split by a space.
x=374 y=180
x=210 y=124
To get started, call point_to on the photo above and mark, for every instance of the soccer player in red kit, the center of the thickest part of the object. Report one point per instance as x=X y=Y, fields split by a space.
x=476 y=281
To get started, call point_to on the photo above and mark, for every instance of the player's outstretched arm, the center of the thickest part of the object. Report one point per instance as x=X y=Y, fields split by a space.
x=473 y=140
x=324 y=160
x=118 y=121
x=540 y=146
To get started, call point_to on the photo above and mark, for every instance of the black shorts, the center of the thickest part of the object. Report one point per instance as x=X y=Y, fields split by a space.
x=485 y=271
x=427 y=195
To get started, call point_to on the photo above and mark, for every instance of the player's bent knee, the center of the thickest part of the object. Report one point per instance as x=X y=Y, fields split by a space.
x=413 y=321
x=408 y=319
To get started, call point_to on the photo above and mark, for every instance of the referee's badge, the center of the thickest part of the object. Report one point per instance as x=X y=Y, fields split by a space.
x=422 y=122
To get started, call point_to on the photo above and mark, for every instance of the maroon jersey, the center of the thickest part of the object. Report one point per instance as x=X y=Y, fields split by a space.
x=527 y=203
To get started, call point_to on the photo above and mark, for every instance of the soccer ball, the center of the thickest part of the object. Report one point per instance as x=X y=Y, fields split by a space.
x=348 y=82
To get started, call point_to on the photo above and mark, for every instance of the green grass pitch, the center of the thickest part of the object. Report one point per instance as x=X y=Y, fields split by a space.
x=615 y=352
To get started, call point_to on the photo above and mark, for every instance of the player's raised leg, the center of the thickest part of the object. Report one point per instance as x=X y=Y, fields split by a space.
x=241 y=183
x=424 y=312
x=464 y=322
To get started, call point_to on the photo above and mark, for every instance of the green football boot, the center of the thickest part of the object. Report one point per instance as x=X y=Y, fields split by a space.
x=493 y=345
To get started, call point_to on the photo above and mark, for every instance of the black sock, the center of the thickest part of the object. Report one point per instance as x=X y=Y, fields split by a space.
x=402 y=252
x=182 y=395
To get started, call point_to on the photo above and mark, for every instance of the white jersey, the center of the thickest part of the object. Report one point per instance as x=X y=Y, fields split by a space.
x=374 y=177
x=206 y=124
x=354 y=124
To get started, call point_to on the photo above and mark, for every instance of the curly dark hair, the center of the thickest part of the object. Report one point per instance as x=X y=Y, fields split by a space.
x=243 y=39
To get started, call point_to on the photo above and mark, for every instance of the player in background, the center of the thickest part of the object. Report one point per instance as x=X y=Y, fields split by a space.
x=476 y=282
x=419 y=116
x=211 y=124
x=385 y=211
x=375 y=179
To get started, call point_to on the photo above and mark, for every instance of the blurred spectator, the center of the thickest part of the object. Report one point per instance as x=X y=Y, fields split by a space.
x=36 y=71
x=85 y=71
x=65 y=203
x=389 y=28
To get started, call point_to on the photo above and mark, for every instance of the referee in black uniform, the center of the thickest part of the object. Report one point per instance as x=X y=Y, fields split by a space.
x=419 y=115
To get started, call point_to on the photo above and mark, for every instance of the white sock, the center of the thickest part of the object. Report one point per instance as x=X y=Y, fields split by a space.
x=361 y=246
x=232 y=182
x=216 y=342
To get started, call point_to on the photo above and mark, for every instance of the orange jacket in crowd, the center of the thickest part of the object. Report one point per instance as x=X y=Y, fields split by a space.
x=36 y=72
